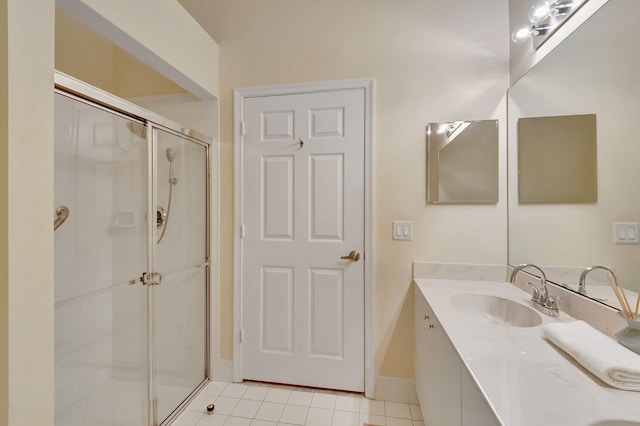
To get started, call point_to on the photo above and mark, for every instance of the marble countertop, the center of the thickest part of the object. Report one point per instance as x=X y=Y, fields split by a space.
x=526 y=379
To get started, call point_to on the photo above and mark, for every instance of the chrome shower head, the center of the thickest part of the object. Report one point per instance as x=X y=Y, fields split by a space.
x=170 y=155
x=137 y=129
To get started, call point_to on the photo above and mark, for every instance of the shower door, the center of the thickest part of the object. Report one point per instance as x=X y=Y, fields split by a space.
x=180 y=300
x=131 y=265
x=101 y=337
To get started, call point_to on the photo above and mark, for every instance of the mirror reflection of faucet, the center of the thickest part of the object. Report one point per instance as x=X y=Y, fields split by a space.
x=618 y=290
x=582 y=281
x=540 y=298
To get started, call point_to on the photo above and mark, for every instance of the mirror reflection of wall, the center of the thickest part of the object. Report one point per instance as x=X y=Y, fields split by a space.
x=566 y=146
x=462 y=162
x=593 y=71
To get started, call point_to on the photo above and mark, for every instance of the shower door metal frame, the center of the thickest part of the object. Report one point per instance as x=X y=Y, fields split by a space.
x=76 y=89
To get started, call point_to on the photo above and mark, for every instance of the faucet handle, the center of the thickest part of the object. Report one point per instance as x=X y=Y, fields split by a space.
x=535 y=297
x=552 y=302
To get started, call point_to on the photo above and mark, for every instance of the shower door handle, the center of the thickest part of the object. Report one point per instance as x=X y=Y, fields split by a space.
x=148 y=278
x=151 y=278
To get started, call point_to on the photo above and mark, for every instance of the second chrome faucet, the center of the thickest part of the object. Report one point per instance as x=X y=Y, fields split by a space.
x=582 y=282
x=540 y=298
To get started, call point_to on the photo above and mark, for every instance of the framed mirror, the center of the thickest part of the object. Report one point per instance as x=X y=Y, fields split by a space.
x=594 y=71
x=462 y=162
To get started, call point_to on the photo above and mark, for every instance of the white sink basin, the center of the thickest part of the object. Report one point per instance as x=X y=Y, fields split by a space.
x=496 y=310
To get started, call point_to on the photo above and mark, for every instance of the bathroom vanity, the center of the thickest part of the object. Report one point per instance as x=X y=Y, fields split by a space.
x=476 y=365
x=448 y=394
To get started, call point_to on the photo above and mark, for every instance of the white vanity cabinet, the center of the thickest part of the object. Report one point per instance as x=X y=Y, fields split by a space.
x=447 y=393
x=474 y=408
x=437 y=368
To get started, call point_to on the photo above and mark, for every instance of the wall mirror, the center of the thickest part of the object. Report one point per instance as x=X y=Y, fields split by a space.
x=593 y=71
x=462 y=162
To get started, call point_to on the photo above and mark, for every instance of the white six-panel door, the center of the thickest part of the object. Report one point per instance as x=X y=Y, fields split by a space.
x=303 y=209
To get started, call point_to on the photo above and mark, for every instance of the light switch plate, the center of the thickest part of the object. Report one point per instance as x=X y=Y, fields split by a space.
x=402 y=230
x=625 y=233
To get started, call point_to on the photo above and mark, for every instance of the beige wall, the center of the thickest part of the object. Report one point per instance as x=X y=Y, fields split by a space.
x=431 y=61
x=158 y=32
x=4 y=218
x=133 y=77
x=82 y=53
x=88 y=56
x=26 y=198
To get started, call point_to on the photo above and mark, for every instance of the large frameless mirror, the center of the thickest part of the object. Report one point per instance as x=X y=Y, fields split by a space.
x=462 y=162
x=593 y=74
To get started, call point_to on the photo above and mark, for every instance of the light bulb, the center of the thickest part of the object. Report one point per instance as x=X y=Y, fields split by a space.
x=540 y=11
x=521 y=34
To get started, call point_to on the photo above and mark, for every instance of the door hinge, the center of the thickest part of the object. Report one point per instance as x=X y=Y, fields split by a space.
x=243 y=231
x=241 y=335
x=151 y=278
x=243 y=128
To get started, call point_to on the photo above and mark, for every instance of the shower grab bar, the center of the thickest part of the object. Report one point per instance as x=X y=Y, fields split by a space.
x=62 y=213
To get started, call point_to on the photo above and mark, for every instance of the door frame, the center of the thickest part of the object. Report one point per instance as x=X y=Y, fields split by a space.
x=238 y=260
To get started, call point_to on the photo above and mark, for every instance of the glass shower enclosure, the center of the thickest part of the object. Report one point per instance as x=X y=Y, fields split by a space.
x=131 y=261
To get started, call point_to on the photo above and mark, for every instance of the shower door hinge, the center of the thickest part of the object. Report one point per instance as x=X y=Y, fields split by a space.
x=242 y=231
x=151 y=278
x=243 y=128
x=241 y=335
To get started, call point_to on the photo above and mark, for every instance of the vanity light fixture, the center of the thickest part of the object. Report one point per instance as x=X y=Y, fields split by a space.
x=545 y=16
x=525 y=32
x=542 y=10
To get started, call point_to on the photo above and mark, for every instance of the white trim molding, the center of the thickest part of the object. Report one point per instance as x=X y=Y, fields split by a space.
x=369 y=286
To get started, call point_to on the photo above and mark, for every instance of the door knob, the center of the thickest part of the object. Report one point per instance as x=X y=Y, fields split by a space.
x=353 y=256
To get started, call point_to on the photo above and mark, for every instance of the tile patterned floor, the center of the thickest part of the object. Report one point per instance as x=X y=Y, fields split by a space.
x=260 y=405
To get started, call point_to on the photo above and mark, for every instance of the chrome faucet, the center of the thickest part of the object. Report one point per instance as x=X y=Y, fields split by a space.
x=541 y=295
x=582 y=282
x=540 y=298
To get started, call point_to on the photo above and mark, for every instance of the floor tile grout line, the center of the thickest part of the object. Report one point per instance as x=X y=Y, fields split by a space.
x=359 y=398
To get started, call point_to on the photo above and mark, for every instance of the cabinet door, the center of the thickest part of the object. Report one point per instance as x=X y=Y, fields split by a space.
x=475 y=408
x=421 y=331
x=437 y=368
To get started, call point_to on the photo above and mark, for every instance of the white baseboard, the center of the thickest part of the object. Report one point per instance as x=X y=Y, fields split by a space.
x=394 y=389
x=222 y=370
